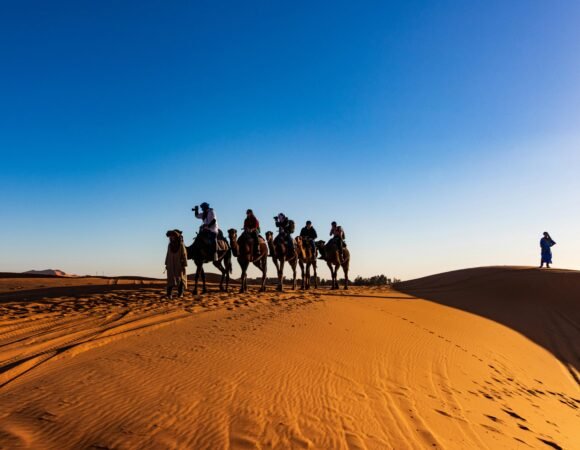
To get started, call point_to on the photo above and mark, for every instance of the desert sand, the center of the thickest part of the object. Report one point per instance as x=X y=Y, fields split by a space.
x=480 y=358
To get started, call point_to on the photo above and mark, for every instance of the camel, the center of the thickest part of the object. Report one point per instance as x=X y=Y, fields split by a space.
x=243 y=249
x=279 y=255
x=201 y=252
x=330 y=253
x=306 y=259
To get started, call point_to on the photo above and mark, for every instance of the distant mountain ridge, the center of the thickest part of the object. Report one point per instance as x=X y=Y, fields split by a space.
x=55 y=272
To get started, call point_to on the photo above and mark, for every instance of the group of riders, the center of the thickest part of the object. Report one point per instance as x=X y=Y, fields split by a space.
x=211 y=245
x=251 y=228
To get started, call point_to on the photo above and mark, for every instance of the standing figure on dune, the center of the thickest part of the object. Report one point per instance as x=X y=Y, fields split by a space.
x=176 y=263
x=209 y=225
x=546 y=244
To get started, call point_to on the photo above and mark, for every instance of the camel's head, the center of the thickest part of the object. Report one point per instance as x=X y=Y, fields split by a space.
x=269 y=236
x=232 y=234
x=320 y=245
x=300 y=246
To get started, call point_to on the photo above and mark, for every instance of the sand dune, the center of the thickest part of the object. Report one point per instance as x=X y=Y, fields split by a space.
x=367 y=368
x=543 y=305
x=55 y=272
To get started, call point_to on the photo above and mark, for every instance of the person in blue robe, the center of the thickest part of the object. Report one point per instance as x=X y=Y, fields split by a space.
x=546 y=244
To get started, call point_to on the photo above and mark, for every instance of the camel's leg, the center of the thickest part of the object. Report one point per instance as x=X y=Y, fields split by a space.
x=276 y=264
x=262 y=264
x=345 y=269
x=331 y=274
x=264 y=273
x=204 y=288
x=281 y=275
x=315 y=275
x=196 y=280
x=218 y=265
x=293 y=275
x=225 y=276
x=333 y=278
x=302 y=272
x=307 y=276
x=228 y=267
x=223 y=279
x=225 y=273
x=244 y=268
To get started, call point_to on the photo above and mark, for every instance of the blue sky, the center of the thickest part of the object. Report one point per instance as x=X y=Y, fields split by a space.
x=440 y=135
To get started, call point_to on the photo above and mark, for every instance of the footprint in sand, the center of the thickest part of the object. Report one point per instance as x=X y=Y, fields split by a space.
x=493 y=418
x=443 y=413
x=513 y=414
x=550 y=443
x=490 y=428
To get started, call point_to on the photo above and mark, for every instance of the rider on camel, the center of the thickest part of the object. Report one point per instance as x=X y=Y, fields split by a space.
x=308 y=233
x=252 y=228
x=285 y=230
x=338 y=235
x=209 y=225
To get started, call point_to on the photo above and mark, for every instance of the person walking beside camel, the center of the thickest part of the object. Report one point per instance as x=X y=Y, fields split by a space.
x=546 y=244
x=176 y=263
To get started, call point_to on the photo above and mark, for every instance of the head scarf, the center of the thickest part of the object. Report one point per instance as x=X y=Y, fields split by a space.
x=175 y=244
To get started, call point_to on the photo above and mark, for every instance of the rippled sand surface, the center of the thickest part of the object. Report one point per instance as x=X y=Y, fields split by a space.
x=435 y=364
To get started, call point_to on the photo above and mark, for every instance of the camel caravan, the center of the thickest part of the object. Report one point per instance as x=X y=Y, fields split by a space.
x=211 y=246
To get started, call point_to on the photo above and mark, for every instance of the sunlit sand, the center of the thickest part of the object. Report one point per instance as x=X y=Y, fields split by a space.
x=482 y=358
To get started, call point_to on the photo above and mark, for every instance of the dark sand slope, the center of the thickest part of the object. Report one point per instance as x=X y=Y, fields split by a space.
x=543 y=305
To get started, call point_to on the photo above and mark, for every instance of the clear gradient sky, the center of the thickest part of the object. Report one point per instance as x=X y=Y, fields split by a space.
x=442 y=135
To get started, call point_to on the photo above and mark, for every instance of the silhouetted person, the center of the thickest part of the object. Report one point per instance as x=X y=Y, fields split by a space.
x=285 y=231
x=252 y=227
x=176 y=263
x=546 y=244
x=209 y=226
x=309 y=233
x=338 y=235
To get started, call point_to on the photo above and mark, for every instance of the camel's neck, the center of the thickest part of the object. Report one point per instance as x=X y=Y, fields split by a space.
x=234 y=245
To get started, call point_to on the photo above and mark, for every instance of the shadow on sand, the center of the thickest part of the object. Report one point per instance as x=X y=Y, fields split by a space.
x=351 y=294
x=39 y=294
x=542 y=305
